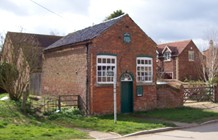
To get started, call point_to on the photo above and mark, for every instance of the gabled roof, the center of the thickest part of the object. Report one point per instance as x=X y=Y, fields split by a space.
x=29 y=38
x=85 y=34
x=176 y=47
x=166 y=48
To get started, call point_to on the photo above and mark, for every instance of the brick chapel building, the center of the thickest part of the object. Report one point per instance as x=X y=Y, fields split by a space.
x=83 y=62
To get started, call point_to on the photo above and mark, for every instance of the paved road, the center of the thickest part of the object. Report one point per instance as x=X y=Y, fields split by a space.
x=204 y=132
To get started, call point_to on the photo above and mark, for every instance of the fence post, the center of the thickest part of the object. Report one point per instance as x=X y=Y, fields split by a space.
x=215 y=93
x=59 y=103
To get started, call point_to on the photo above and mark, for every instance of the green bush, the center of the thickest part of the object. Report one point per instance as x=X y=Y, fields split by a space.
x=3 y=124
x=72 y=112
x=215 y=80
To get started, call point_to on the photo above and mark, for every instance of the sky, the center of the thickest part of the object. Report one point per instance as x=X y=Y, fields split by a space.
x=162 y=20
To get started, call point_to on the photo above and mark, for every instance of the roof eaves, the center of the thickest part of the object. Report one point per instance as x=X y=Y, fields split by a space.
x=188 y=42
x=67 y=45
x=166 y=47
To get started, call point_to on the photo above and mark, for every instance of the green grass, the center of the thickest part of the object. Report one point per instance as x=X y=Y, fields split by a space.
x=62 y=125
x=32 y=132
x=184 y=114
x=126 y=123
x=2 y=95
x=15 y=125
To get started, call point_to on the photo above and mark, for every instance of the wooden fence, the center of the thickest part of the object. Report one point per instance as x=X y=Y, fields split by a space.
x=35 y=83
x=65 y=101
x=199 y=93
x=54 y=103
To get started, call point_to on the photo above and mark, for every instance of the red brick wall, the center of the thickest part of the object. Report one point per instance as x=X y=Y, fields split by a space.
x=149 y=99
x=64 y=72
x=189 y=70
x=170 y=66
x=169 y=97
x=111 y=42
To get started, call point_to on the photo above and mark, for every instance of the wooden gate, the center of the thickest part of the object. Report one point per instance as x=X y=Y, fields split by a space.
x=199 y=93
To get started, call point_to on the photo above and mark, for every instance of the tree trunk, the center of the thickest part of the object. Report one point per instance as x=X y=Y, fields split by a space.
x=24 y=102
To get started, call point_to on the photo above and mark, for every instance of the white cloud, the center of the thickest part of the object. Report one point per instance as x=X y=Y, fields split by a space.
x=162 y=20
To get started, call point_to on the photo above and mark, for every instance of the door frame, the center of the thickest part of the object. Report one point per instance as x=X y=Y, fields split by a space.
x=126 y=77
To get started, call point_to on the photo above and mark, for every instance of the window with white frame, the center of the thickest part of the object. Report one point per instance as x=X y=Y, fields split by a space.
x=144 y=69
x=167 y=55
x=191 y=56
x=106 y=65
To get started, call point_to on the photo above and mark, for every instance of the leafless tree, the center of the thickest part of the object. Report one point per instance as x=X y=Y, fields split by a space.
x=1 y=41
x=210 y=64
x=24 y=53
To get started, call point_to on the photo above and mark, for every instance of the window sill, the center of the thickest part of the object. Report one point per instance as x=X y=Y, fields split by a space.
x=191 y=60
x=104 y=85
x=142 y=83
x=167 y=60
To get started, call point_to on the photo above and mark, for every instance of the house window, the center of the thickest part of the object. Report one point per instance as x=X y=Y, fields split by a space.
x=191 y=56
x=167 y=56
x=144 y=70
x=168 y=75
x=106 y=65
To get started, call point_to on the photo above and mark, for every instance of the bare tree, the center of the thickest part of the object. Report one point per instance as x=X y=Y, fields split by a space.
x=23 y=52
x=210 y=64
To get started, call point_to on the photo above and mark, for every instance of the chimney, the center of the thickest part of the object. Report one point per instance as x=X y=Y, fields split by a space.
x=211 y=43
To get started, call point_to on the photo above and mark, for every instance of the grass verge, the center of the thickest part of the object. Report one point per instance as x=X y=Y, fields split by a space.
x=126 y=123
x=41 y=132
x=183 y=114
x=15 y=125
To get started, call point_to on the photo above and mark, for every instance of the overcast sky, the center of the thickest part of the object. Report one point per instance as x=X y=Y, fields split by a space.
x=162 y=20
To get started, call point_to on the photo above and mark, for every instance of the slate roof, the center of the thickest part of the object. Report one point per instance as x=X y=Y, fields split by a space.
x=28 y=38
x=85 y=34
x=176 y=47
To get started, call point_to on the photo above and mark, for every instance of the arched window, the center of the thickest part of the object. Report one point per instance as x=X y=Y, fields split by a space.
x=126 y=77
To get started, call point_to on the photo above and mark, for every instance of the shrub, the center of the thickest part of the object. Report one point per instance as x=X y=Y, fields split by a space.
x=215 y=80
x=72 y=112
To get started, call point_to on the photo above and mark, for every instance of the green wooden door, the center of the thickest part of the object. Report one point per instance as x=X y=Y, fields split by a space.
x=126 y=96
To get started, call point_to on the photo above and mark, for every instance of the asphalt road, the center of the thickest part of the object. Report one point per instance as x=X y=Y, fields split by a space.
x=203 y=132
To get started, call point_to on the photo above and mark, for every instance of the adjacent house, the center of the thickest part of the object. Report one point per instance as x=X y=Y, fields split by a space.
x=24 y=50
x=87 y=62
x=179 y=60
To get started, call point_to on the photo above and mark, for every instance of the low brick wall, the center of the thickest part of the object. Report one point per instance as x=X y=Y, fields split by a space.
x=169 y=96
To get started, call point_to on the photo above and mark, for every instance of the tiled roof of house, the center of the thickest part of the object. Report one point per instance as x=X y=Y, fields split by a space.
x=176 y=47
x=30 y=39
x=85 y=34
